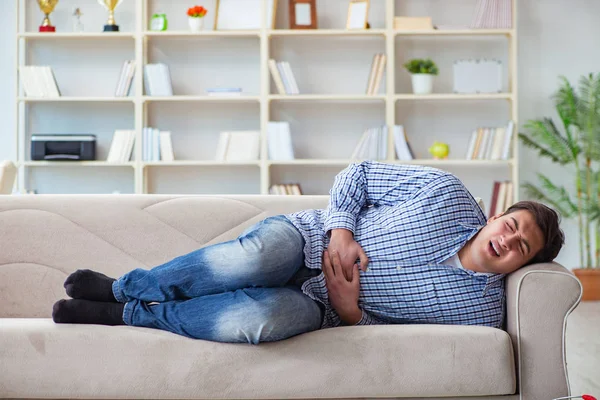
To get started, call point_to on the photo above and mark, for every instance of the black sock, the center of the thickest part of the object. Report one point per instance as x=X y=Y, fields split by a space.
x=79 y=311
x=90 y=285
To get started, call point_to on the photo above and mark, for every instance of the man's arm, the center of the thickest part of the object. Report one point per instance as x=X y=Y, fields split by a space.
x=372 y=183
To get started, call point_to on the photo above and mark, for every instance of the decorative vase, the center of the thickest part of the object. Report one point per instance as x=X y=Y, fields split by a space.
x=422 y=83
x=195 y=24
x=590 y=280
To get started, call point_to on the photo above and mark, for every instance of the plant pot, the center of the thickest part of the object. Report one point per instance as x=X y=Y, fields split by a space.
x=422 y=83
x=195 y=24
x=590 y=280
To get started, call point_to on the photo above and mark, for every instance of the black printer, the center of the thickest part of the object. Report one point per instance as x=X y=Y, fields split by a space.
x=78 y=147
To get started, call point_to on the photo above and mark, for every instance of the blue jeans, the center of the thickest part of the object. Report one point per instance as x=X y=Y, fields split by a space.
x=243 y=290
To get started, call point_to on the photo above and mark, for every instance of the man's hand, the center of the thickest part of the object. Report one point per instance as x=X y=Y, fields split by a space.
x=343 y=294
x=349 y=251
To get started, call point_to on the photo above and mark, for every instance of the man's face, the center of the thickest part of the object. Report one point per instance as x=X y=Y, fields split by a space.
x=506 y=243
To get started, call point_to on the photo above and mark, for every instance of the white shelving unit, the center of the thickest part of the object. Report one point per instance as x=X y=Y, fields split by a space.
x=259 y=107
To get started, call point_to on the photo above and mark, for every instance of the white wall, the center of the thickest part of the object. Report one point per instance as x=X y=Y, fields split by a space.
x=555 y=38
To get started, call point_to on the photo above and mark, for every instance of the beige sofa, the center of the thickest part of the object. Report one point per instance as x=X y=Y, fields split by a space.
x=8 y=173
x=44 y=238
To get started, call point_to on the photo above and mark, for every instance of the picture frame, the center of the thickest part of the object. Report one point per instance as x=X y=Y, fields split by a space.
x=243 y=14
x=358 y=14
x=303 y=14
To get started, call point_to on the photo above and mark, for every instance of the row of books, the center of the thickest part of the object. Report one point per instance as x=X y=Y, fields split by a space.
x=491 y=143
x=372 y=144
x=283 y=76
x=286 y=189
x=502 y=197
x=156 y=145
x=38 y=81
x=491 y=14
x=376 y=73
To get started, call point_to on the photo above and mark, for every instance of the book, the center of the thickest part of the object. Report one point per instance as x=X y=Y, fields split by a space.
x=38 y=81
x=380 y=70
x=373 y=73
x=157 y=80
x=166 y=146
x=403 y=149
x=238 y=146
x=279 y=141
x=276 y=76
x=121 y=146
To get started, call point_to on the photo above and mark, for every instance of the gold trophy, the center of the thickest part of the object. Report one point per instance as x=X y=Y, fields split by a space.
x=47 y=6
x=110 y=5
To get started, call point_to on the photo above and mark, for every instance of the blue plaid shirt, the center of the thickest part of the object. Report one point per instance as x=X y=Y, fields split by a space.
x=409 y=220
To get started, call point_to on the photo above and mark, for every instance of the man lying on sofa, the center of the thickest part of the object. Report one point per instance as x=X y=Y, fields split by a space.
x=432 y=258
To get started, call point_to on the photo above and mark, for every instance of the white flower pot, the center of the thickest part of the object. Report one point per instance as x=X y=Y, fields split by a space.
x=422 y=83
x=195 y=24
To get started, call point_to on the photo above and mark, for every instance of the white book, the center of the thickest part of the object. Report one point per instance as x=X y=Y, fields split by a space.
x=272 y=130
x=288 y=70
x=49 y=83
x=115 y=146
x=358 y=150
x=285 y=141
x=372 y=73
x=284 y=76
x=165 y=80
x=129 y=148
x=243 y=146
x=155 y=145
x=383 y=136
x=166 y=146
x=498 y=143
x=26 y=81
x=507 y=140
x=488 y=149
x=276 y=76
x=402 y=149
x=129 y=78
x=380 y=72
x=221 y=152
x=471 y=146
x=121 y=82
x=39 y=81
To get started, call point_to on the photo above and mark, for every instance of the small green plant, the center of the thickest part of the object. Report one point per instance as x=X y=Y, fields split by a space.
x=421 y=66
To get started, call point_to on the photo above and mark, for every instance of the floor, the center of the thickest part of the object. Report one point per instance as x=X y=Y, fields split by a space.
x=583 y=349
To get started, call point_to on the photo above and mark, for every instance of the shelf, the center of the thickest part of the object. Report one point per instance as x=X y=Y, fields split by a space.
x=75 y=164
x=327 y=32
x=456 y=32
x=76 y=35
x=205 y=163
x=327 y=97
x=343 y=162
x=127 y=99
x=233 y=99
x=454 y=96
x=185 y=34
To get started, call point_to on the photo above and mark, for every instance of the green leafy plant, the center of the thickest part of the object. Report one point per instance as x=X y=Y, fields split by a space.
x=577 y=147
x=421 y=66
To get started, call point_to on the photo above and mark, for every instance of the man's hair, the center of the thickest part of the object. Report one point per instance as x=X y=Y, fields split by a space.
x=547 y=220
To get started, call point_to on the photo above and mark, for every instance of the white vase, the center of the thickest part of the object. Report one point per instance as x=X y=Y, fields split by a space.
x=195 y=24
x=422 y=83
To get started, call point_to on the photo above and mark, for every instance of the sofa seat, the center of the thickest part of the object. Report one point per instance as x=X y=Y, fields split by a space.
x=72 y=361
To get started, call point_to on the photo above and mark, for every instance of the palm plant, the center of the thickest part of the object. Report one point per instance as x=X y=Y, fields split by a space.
x=577 y=147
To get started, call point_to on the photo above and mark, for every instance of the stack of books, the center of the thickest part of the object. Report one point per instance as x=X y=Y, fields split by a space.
x=238 y=146
x=376 y=74
x=491 y=143
x=38 y=81
x=279 y=141
x=284 y=77
x=121 y=146
x=502 y=197
x=224 y=92
x=157 y=80
x=286 y=189
x=372 y=144
x=125 y=79
x=492 y=14
x=156 y=145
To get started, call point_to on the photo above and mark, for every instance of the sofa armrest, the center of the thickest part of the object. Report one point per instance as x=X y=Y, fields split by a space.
x=539 y=298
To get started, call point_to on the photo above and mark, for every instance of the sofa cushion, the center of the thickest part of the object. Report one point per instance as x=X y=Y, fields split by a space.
x=92 y=361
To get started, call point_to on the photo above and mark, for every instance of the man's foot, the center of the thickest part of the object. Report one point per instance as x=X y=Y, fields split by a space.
x=87 y=312
x=90 y=285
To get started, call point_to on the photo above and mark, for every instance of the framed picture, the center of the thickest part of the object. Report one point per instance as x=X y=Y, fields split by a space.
x=358 y=12
x=303 y=14
x=243 y=14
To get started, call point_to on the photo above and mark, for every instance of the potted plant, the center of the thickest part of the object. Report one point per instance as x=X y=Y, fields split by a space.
x=422 y=72
x=577 y=146
x=196 y=18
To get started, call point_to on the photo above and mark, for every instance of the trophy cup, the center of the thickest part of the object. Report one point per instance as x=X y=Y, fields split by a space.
x=110 y=5
x=47 y=6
